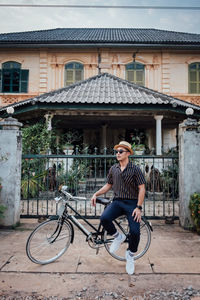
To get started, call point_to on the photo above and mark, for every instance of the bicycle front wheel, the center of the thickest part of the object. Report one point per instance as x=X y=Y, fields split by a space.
x=122 y=226
x=48 y=241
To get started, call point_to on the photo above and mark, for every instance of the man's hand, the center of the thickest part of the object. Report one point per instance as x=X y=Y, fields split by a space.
x=93 y=200
x=137 y=214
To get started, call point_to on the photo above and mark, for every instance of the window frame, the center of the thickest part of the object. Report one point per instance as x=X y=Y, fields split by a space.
x=74 y=74
x=12 y=68
x=197 y=81
x=135 y=74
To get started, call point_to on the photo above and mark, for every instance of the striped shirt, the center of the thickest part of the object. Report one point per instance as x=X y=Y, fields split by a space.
x=125 y=183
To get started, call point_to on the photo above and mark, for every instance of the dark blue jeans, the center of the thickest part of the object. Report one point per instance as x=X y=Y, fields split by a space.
x=118 y=208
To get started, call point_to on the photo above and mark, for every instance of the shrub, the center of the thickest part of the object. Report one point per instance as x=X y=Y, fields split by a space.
x=2 y=210
x=194 y=206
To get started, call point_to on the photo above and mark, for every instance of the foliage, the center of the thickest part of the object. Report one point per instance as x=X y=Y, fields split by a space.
x=2 y=210
x=30 y=186
x=72 y=136
x=194 y=206
x=36 y=138
x=169 y=179
x=77 y=173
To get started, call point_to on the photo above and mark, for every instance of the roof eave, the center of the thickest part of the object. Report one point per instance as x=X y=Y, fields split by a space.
x=105 y=45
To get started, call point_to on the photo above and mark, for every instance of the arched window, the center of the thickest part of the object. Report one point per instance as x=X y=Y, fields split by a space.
x=135 y=73
x=73 y=73
x=13 y=78
x=194 y=78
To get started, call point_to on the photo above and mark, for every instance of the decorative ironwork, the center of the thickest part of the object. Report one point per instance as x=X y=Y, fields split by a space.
x=43 y=175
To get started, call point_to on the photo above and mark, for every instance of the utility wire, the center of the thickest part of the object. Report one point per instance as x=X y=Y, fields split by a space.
x=103 y=6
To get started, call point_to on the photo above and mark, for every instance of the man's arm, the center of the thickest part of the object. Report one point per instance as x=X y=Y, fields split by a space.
x=101 y=191
x=137 y=212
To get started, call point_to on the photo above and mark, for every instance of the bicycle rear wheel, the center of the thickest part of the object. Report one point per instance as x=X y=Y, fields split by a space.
x=145 y=239
x=48 y=241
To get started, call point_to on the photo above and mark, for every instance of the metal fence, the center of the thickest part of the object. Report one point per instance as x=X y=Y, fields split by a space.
x=43 y=176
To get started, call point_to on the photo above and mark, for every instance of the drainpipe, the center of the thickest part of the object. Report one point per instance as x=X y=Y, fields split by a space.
x=99 y=61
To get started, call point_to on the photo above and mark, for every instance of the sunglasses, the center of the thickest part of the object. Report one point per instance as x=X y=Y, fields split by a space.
x=120 y=151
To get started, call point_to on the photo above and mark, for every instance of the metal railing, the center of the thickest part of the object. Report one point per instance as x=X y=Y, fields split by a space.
x=43 y=176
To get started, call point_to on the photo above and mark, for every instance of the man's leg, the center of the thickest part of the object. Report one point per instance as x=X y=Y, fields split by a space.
x=113 y=211
x=134 y=238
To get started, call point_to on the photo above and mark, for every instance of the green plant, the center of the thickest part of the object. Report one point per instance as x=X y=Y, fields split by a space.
x=30 y=186
x=194 y=206
x=2 y=210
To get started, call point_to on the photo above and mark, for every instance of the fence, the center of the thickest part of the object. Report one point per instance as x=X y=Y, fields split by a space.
x=43 y=176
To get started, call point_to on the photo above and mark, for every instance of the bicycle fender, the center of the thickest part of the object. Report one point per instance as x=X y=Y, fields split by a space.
x=72 y=228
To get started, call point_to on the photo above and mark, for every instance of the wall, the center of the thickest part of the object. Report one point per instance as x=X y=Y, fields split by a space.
x=189 y=171
x=166 y=72
x=10 y=171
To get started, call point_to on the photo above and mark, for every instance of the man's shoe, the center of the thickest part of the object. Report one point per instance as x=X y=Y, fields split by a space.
x=117 y=242
x=130 y=266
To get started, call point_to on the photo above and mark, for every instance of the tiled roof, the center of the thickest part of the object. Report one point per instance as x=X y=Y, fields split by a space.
x=101 y=35
x=105 y=89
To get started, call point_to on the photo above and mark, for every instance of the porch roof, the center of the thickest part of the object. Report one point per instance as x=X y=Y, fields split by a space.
x=105 y=89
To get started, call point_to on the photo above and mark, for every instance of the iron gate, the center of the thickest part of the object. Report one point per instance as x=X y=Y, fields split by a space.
x=43 y=176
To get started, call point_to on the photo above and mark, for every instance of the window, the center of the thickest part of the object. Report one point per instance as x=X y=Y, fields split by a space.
x=73 y=73
x=13 y=79
x=135 y=73
x=194 y=78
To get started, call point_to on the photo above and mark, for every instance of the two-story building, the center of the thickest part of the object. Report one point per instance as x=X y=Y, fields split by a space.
x=151 y=77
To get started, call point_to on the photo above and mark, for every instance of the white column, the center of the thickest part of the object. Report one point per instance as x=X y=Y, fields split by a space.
x=158 y=134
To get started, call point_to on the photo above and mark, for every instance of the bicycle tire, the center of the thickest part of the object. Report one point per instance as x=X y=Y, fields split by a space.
x=145 y=239
x=46 y=244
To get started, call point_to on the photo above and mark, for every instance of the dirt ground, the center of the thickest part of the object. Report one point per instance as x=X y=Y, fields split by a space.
x=91 y=286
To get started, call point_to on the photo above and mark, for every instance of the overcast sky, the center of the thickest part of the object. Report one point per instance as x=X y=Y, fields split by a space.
x=14 y=19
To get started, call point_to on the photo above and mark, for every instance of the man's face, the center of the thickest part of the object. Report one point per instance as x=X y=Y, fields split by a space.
x=122 y=153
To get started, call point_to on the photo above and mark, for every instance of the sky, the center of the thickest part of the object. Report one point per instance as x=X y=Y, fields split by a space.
x=15 y=19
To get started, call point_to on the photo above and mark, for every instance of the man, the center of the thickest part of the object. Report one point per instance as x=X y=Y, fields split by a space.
x=128 y=184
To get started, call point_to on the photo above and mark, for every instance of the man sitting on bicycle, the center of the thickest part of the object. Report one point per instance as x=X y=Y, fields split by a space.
x=128 y=184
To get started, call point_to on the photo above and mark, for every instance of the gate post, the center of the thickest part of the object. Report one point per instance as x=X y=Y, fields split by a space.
x=10 y=170
x=189 y=170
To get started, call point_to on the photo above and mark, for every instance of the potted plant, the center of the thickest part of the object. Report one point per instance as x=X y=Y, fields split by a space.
x=194 y=206
x=138 y=148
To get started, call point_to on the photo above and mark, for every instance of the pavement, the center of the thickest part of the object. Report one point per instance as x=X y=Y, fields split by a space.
x=174 y=253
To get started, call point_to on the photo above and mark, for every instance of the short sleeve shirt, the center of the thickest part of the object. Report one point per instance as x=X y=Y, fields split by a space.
x=125 y=183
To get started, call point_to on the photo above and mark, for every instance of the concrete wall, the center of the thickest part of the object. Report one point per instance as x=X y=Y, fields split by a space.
x=189 y=170
x=10 y=171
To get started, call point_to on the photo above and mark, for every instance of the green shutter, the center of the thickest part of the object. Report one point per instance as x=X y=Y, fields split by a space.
x=24 y=81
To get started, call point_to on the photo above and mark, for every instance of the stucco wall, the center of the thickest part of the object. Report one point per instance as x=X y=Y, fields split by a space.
x=165 y=71
x=189 y=171
x=10 y=173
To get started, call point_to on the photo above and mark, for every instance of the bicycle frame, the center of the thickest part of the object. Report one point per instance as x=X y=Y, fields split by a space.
x=97 y=230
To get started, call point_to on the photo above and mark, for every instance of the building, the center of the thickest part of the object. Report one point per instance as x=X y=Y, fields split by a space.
x=158 y=64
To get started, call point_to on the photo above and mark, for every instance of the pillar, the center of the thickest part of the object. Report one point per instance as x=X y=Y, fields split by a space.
x=189 y=171
x=158 y=134
x=10 y=171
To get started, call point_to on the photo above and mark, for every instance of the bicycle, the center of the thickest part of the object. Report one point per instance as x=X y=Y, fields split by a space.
x=51 y=239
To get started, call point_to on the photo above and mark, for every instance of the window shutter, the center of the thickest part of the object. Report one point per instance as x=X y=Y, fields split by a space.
x=69 y=77
x=0 y=81
x=24 y=81
x=130 y=76
x=78 y=75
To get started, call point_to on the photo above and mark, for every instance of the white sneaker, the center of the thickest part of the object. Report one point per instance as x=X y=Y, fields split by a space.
x=117 y=242
x=130 y=266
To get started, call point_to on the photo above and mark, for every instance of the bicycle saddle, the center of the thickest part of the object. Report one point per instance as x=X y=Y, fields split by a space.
x=102 y=200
